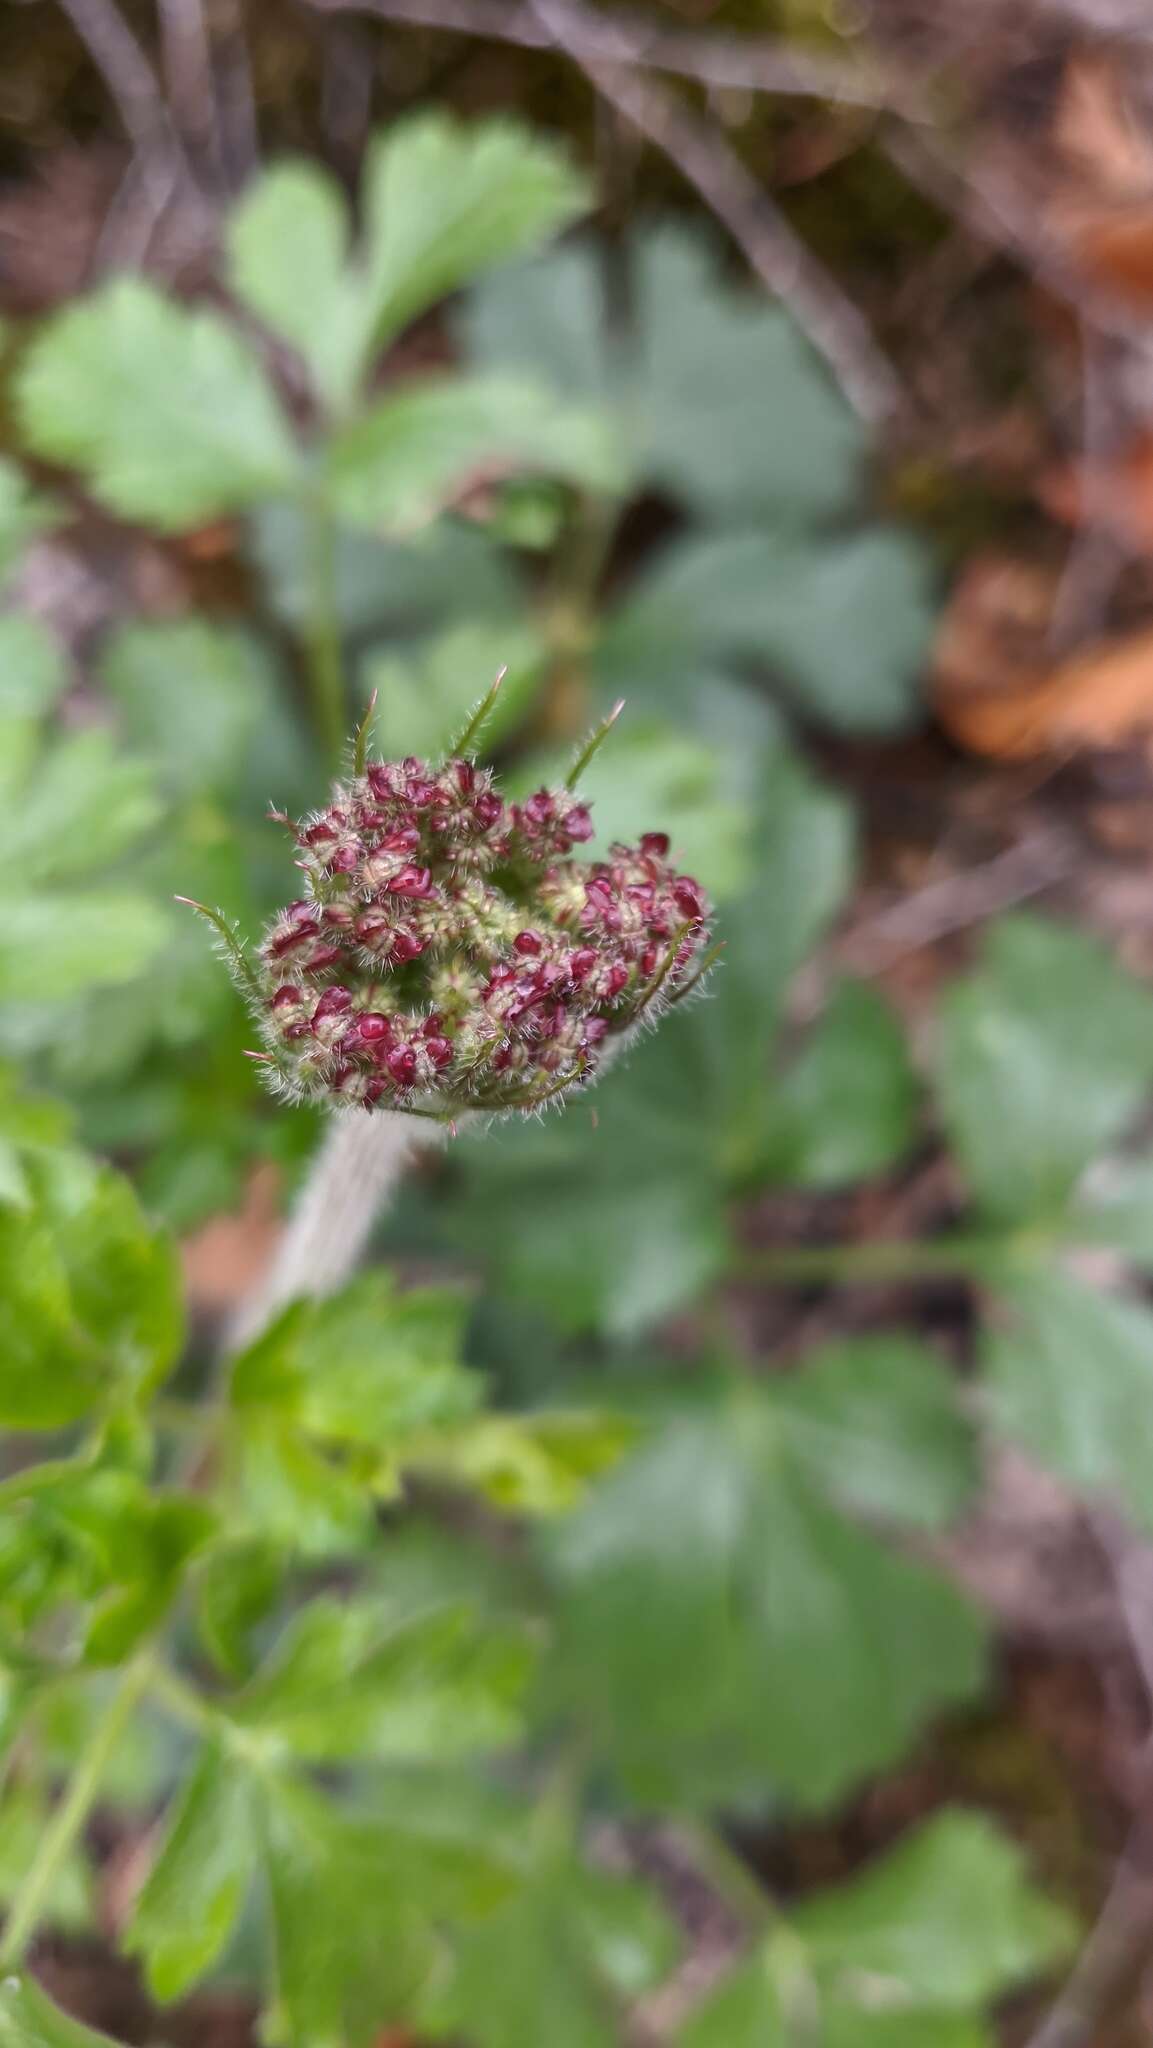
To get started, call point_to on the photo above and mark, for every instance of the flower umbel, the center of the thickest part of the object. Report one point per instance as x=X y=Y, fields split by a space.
x=451 y=953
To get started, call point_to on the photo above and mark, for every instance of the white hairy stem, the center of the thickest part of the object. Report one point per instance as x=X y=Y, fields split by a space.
x=354 y=1173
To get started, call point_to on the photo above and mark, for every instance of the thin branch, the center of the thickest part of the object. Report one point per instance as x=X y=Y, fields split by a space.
x=704 y=158
x=742 y=63
x=129 y=76
x=187 y=57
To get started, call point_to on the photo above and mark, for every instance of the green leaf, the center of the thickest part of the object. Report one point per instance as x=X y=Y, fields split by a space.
x=848 y=1107
x=23 y=1818
x=192 y=1896
x=445 y=572
x=167 y=1532
x=1115 y=1208
x=906 y=1956
x=106 y=797
x=288 y=1493
x=719 y=399
x=948 y=1918
x=28 y=2019
x=193 y=697
x=54 y=945
x=368 y=1366
x=1069 y=1373
x=1033 y=1077
x=621 y=1224
x=238 y=1587
x=877 y=1420
x=427 y=696
x=90 y=1301
x=33 y=673
x=411 y=455
x=554 y=1961
x=349 y=1680
x=738 y=416
x=752 y=2008
x=165 y=411
x=843 y=624
x=546 y=318
x=726 y=1632
x=538 y=1464
x=444 y=203
x=352 y=1945
x=288 y=261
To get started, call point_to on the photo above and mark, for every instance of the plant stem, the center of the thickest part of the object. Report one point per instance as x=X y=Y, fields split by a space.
x=325 y=662
x=358 y=1166
x=860 y=1264
x=70 y=1816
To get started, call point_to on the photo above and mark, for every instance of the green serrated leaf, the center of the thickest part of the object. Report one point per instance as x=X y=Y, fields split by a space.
x=554 y=1962
x=165 y=411
x=238 y=1586
x=346 y=1680
x=194 y=698
x=619 y=1225
x=368 y=1366
x=410 y=456
x=288 y=259
x=444 y=202
x=192 y=1896
x=847 y=1108
x=24 y=1813
x=1069 y=1374
x=948 y=1918
x=877 y=1420
x=55 y=944
x=351 y=1936
x=727 y=1632
x=28 y=2019
x=1035 y=1079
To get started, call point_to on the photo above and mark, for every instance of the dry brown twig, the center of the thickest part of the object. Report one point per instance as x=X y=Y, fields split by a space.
x=700 y=152
x=739 y=62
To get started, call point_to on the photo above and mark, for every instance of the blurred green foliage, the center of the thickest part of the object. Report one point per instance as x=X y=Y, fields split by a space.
x=446 y=1573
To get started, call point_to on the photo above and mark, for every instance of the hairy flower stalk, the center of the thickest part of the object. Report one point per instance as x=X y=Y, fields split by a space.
x=452 y=955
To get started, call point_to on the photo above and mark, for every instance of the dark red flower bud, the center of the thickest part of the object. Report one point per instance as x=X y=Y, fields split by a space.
x=373 y=1027
x=528 y=942
x=582 y=962
x=401 y=1064
x=488 y=809
x=403 y=840
x=324 y=956
x=344 y=860
x=595 y=1028
x=538 y=810
x=284 y=942
x=405 y=946
x=655 y=843
x=286 y=997
x=689 y=898
x=332 y=1003
x=439 y=1051
x=410 y=881
x=578 y=825
x=317 y=834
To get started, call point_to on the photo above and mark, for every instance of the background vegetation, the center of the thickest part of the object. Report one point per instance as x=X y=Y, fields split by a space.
x=695 y=1584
